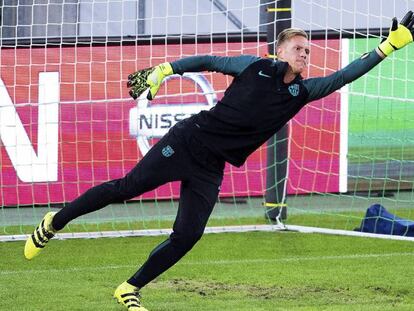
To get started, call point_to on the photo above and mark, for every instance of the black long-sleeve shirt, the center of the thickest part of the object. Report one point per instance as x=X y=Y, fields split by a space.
x=258 y=103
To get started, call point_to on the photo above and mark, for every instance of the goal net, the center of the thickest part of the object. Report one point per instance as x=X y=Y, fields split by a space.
x=67 y=122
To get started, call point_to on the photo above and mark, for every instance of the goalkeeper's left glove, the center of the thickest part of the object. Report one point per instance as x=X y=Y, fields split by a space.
x=400 y=34
x=148 y=78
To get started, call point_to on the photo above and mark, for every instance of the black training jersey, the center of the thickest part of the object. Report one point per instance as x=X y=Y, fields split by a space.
x=254 y=107
x=258 y=103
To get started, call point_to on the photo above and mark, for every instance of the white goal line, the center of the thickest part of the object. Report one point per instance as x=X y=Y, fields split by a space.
x=208 y=230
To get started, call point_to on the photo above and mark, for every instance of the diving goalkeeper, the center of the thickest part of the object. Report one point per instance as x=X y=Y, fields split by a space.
x=264 y=95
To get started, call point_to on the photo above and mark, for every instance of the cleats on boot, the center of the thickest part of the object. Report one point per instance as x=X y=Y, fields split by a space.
x=128 y=296
x=42 y=234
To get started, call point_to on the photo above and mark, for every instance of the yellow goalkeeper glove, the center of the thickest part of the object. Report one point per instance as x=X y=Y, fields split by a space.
x=148 y=78
x=400 y=34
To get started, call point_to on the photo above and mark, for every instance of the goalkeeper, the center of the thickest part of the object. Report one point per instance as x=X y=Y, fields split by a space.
x=263 y=97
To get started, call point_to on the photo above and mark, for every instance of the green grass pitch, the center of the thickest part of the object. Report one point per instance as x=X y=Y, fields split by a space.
x=381 y=114
x=237 y=271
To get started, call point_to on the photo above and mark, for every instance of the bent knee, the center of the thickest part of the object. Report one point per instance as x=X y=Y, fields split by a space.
x=185 y=241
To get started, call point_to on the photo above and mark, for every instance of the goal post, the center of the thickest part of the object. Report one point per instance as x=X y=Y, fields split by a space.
x=280 y=18
x=67 y=122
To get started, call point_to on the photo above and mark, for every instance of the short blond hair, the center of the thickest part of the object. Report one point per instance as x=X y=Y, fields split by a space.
x=289 y=33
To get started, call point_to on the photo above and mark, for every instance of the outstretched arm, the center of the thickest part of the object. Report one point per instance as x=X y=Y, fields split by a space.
x=226 y=65
x=152 y=77
x=400 y=35
x=321 y=87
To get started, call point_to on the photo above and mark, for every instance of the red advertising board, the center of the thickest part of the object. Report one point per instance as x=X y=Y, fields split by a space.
x=95 y=132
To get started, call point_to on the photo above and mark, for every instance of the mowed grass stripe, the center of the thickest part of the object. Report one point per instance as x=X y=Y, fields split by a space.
x=237 y=271
x=215 y=262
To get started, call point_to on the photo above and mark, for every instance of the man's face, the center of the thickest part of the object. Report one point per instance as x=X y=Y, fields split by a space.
x=295 y=51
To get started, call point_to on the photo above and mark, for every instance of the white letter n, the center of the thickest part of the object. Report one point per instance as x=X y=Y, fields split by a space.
x=29 y=166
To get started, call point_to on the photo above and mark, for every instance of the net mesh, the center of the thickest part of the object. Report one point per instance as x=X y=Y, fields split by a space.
x=68 y=123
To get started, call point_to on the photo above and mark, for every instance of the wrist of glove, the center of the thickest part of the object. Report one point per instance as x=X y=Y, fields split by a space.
x=400 y=34
x=150 y=78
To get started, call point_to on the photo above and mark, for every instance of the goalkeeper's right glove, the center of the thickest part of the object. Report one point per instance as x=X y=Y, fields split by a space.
x=148 y=78
x=400 y=34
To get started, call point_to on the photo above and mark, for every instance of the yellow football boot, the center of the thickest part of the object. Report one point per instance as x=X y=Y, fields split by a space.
x=42 y=234
x=128 y=296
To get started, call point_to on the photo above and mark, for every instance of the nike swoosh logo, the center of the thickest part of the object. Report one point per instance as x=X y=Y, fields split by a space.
x=264 y=75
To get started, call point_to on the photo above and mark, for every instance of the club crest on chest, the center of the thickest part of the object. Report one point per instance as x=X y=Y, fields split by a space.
x=294 y=89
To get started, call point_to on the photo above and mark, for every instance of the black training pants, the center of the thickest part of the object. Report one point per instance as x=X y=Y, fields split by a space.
x=178 y=156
